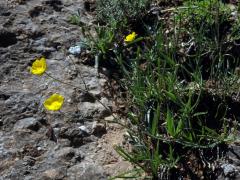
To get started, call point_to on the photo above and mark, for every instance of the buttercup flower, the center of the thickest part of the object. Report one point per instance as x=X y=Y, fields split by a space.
x=54 y=102
x=130 y=37
x=39 y=66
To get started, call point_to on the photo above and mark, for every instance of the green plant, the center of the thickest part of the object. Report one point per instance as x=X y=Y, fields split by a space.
x=75 y=19
x=206 y=30
x=116 y=11
x=174 y=115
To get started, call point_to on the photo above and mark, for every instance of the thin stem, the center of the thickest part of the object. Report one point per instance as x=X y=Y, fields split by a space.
x=80 y=74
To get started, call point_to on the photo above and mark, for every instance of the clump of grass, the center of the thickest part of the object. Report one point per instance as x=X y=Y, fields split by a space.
x=206 y=30
x=178 y=76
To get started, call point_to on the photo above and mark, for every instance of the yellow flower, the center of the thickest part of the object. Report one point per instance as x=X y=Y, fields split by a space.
x=54 y=102
x=39 y=66
x=130 y=37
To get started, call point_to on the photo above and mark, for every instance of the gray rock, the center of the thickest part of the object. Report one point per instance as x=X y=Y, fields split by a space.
x=90 y=110
x=75 y=50
x=28 y=160
x=84 y=129
x=74 y=134
x=66 y=153
x=40 y=42
x=27 y=123
x=229 y=170
x=234 y=155
x=86 y=171
x=54 y=174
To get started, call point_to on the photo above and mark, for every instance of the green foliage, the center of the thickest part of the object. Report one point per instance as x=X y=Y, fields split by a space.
x=166 y=72
x=109 y=11
x=207 y=30
x=75 y=19
x=203 y=12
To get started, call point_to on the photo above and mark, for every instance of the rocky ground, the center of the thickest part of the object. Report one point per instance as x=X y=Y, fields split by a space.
x=35 y=144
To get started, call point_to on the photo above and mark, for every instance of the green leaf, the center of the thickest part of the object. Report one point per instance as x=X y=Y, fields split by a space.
x=154 y=128
x=171 y=96
x=170 y=124
x=179 y=127
x=199 y=114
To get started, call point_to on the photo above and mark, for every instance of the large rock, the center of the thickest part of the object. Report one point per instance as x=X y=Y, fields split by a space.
x=27 y=123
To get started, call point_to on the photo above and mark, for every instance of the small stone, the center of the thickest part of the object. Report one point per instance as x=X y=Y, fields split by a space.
x=75 y=50
x=84 y=129
x=56 y=131
x=109 y=118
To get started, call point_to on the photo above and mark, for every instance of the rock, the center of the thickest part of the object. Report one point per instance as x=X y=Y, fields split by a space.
x=109 y=118
x=98 y=129
x=54 y=174
x=89 y=139
x=43 y=49
x=74 y=134
x=4 y=11
x=70 y=132
x=229 y=170
x=27 y=123
x=28 y=160
x=75 y=50
x=66 y=154
x=84 y=129
x=64 y=142
x=40 y=42
x=90 y=110
x=234 y=154
x=86 y=171
x=35 y=11
x=4 y=152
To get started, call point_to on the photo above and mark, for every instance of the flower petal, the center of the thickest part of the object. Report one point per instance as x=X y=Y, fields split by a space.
x=54 y=102
x=39 y=66
x=130 y=37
